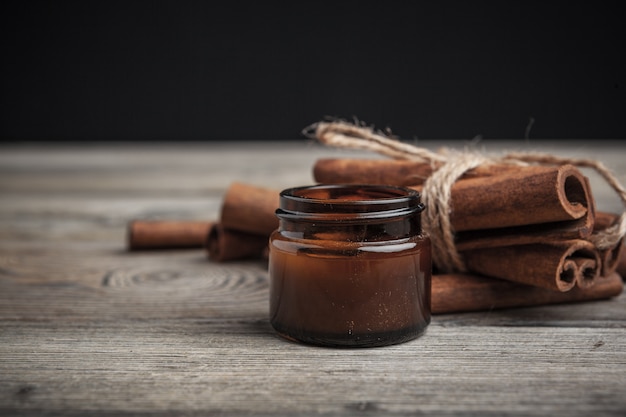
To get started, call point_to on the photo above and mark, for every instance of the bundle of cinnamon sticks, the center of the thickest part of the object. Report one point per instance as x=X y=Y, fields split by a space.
x=247 y=219
x=524 y=233
x=528 y=224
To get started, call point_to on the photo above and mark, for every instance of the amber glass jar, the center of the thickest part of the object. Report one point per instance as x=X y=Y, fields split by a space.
x=350 y=266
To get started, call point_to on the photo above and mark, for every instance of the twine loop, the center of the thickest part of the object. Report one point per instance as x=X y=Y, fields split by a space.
x=448 y=166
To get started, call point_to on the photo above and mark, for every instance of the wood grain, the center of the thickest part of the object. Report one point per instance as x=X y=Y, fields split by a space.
x=87 y=328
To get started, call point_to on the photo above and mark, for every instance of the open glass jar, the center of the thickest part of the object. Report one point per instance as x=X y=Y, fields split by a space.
x=350 y=266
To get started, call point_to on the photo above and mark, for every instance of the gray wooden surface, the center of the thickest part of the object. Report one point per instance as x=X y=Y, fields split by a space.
x=87 y=328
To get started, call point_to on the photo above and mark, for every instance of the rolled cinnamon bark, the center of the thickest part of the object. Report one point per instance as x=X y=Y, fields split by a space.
x=227 y=245
x=371 y=171
x=557 y=266
x=491 y=197
x=523 y=235
x=166 y=234
x=250 y=209
x=528 y=195
x=387 y=171
x=455 y=293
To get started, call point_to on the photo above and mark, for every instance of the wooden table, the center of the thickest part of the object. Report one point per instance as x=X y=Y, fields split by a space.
x=88 y=328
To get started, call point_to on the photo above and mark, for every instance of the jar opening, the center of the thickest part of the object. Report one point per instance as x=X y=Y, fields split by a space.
x=346 y=202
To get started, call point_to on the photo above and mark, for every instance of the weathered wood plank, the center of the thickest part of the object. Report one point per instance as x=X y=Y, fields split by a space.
x=236 y=366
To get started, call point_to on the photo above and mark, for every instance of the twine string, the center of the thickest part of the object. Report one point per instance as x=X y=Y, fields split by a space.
x=437 y=222
x=448 y=166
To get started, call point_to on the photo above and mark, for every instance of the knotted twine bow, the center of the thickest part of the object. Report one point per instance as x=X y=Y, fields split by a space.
x=448 y=166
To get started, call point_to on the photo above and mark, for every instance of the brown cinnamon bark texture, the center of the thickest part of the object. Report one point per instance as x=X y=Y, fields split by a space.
x=247 y=218
x=528 y=195
x=500 y=197
x=227 y=245
x=371 y=171
x=250 y=209
x=166 y=234
x=455 y=293
x=557 y=266
x=522 y=235
x=387 y=171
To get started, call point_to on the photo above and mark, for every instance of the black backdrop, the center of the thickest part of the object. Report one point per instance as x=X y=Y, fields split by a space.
x=209 y=70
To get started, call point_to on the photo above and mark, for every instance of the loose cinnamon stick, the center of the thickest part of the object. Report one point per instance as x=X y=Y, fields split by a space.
x=557 y=266
x=250 y=209
x=165 y=234
x=453 y=293
x=247 y=219
x=226 y=244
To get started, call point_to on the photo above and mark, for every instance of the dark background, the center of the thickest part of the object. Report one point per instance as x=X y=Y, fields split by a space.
x=200 y=70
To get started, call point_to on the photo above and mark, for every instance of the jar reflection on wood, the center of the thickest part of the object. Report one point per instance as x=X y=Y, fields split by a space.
x=350 y=266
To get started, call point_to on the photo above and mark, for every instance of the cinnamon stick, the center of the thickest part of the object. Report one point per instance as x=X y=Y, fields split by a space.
x=557 y=266
x=387 y=171
x=166 y=234
x=250 y=209
x=371 y=171
x=247 y=218
x=454 y=293
x=226 y=244
x=493 y=197
x=528 y=195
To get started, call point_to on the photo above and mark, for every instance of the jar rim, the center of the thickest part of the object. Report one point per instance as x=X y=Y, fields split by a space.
x=348 y=202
